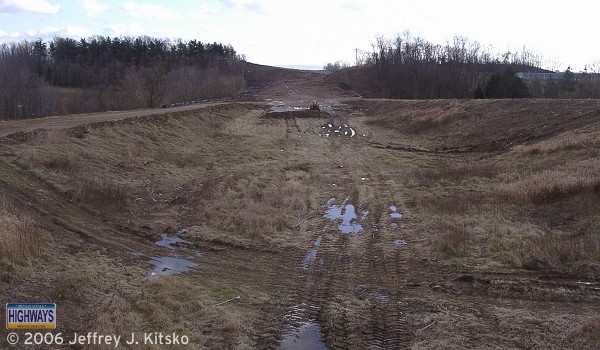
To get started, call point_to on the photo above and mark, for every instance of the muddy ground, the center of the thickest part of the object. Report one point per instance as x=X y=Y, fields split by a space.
x=375 y=224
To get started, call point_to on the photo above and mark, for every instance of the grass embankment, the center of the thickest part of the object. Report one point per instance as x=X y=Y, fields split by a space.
x=172 y=165
x=521 y=182
x=190 y=169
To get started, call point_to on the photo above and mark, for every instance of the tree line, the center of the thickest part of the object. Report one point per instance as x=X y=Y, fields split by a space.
x=101 y=73
x=412 y=68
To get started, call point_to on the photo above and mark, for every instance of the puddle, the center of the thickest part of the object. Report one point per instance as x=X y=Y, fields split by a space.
x=302 y=332
x=169 y=241
x=312 y=254
x=400 y=242
x=169 y=265
x=594 y=286
x=280 y=106
x=173 y=264
x=183 y=230
x=347 y=213
x=341 y=130
x=307 y=336
x=394 y=214
x=284 y=108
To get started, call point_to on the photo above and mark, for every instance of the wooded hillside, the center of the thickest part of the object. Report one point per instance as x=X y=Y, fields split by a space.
x=101 y=73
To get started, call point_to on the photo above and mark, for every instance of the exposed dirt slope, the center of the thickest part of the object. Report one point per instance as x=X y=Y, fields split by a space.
x=481 y=125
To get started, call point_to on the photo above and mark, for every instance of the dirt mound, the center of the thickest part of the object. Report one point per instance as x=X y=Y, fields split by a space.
x=361 y=80
x=265 y=74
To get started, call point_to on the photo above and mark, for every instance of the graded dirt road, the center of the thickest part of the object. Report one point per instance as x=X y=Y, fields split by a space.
x=8 y=127
x=376 y=224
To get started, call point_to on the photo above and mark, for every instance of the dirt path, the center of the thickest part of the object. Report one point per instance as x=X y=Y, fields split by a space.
x=8 y=127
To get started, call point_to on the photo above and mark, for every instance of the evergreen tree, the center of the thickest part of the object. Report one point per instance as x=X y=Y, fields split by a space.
x=479 y=94
x=506 y=85
x=567 y=83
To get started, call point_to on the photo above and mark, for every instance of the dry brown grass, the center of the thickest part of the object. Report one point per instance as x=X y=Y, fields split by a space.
x=453 y=239
x=102 y=193
x=588 y=331
x=19 y=237
x=174 y=304
x=555 y=249
x=258 y=206
x=181 y=159
x=567 y=141
x=552 y=184
x=133 y=151
x=50 y=137
x=453 y=173
x=232 y=184
x=64 y=162
x=453 y=204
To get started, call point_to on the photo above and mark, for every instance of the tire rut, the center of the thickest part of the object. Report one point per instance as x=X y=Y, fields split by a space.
x=344 y=291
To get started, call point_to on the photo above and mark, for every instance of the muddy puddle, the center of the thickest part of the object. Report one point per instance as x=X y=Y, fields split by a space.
x=394 y=212
x=169 y=265
x=183 y=230
x=394 y=215
x=307 y=336
x=284 y=108
x=302 y=333
x=312 y=254
x=170 y=241
x=346 y=212
x=593 y=286
x=280 y=106
x=172 y=263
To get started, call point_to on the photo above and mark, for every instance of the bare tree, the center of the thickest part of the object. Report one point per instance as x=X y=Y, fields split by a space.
x=23 y=94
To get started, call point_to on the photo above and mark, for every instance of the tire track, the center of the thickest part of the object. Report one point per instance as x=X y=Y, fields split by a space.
x=350 y=286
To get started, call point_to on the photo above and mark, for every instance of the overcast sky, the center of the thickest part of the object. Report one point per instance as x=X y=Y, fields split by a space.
x=315 y=32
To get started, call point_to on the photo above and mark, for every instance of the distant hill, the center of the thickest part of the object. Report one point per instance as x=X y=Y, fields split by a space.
x=422 y=81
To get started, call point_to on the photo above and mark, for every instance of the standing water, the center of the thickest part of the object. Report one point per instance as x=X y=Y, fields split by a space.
x=306 y=337
x=169 y=241
x=169 y=265
x=172 y=264
x=394 y=214
x=312 y=254
x=347 y=213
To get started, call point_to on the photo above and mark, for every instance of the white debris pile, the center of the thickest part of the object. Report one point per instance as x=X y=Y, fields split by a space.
x=329 y=129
